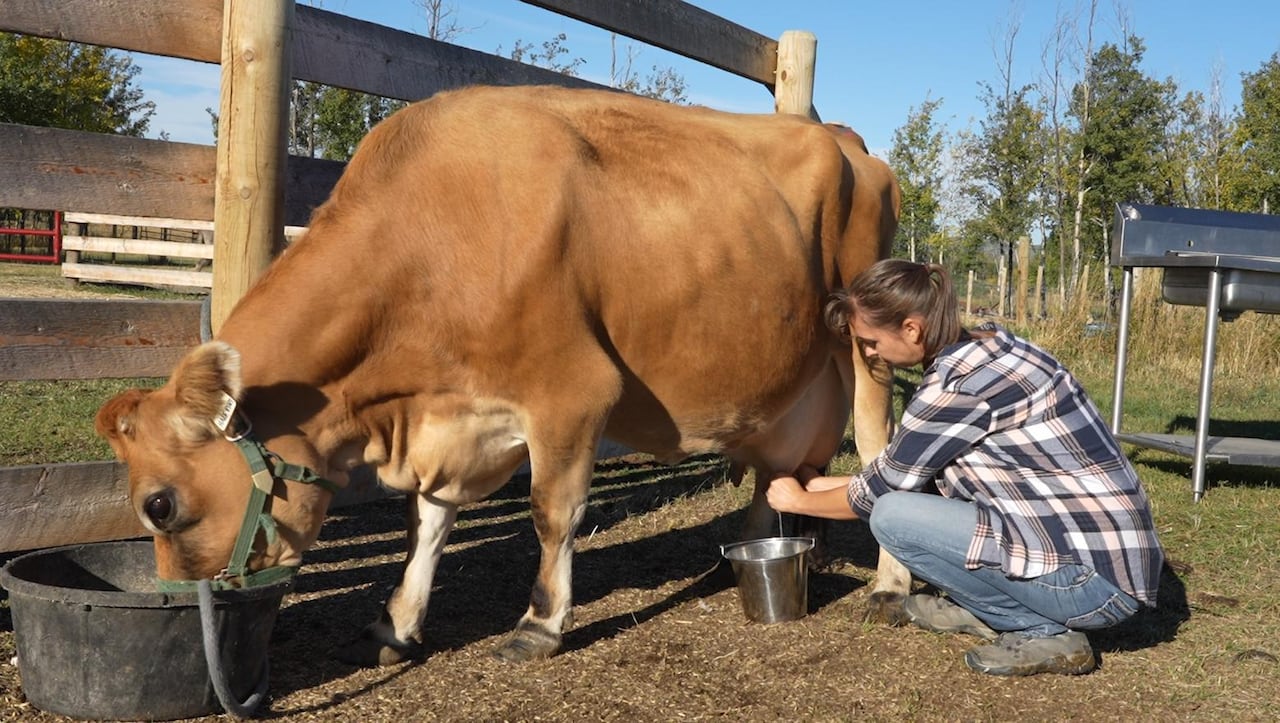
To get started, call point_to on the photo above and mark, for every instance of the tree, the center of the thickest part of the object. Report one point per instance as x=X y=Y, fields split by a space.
x=1215 y=156
x=916 y=160
x=70 y=85
x=1005 y=163
x=1256 y=187
x=551 y=56
x=344 y=117
x=1123 y=137
x=661 y=84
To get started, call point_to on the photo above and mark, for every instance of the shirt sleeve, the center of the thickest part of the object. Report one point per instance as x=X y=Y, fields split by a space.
x=937 y=427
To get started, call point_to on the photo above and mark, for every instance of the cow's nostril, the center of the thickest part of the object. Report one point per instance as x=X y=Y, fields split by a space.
x=159 y=507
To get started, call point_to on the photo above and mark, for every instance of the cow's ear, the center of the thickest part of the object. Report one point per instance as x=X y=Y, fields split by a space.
x=202 y=384
x=115 y=420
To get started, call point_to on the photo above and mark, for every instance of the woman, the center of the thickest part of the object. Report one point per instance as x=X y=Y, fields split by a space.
x=1042 y=528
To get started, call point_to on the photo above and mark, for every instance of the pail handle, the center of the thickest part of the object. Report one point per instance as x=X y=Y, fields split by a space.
x=213 y=660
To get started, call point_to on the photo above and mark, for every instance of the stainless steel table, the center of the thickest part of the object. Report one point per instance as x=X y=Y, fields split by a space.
x=1228 y=263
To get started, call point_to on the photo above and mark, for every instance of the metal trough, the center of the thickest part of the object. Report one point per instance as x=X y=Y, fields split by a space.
x=1228 y=263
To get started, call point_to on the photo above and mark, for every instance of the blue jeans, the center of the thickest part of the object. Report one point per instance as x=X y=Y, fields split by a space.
x=931 y=534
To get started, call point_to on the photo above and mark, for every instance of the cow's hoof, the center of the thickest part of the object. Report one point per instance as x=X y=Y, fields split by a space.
x=886 y=608
x=529 y=641
x=367 y=652
x=819 y=558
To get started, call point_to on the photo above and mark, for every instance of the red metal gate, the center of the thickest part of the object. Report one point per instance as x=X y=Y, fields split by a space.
x=55 y=256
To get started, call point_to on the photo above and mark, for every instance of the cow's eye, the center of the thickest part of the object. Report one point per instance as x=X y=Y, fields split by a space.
x=159 y=507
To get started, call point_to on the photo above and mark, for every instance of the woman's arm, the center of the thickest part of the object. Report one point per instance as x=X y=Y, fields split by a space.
x=808 y=494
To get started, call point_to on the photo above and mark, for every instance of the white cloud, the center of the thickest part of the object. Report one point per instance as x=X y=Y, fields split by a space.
x=181 y=91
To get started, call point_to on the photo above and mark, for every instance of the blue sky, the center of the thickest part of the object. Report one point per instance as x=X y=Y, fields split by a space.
x=876 y=60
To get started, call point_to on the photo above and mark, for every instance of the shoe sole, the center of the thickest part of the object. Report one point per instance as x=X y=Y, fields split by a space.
x=1060 y=664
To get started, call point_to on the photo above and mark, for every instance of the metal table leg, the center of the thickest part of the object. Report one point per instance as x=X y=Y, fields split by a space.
x=1206 y=382
x=1122 y=349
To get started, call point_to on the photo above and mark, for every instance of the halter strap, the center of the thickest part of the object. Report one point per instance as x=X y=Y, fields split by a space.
x=265 y=468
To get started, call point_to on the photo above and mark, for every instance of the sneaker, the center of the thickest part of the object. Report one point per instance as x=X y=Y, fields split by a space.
x=1015 y=653
x=943 y=616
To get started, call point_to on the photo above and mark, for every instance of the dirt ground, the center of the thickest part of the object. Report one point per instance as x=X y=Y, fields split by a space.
x=661 y=635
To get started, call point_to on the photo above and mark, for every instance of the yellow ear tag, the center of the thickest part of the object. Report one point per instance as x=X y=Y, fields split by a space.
x=223 y=418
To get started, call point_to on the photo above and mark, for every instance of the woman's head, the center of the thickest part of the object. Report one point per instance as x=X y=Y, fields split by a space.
x=900 y=310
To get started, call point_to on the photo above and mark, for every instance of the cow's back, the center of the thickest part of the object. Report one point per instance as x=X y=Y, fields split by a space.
x=544 y=243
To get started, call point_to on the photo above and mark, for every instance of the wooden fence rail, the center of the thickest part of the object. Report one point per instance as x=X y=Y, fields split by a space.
x=139 y=270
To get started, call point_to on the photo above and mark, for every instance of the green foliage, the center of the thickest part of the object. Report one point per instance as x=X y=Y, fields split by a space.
x=1002 y=168
x=553 y=55
x=57 y=84
x=916 y=160
x=1030 y=169
x=1124 y=135
x=1256 y=186
x=344 y=117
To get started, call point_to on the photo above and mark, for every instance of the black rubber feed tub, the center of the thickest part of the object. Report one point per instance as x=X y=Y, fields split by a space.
x=95 y=640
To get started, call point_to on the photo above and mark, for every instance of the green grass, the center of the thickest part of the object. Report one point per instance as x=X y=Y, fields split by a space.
x=52 y=421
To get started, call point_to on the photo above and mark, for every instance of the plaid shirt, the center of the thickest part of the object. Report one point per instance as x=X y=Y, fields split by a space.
x=999 y=422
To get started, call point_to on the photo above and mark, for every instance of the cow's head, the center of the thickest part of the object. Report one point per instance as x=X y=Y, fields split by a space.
x=188 y=484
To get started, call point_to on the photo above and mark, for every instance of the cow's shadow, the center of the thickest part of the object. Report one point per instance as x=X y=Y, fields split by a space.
x=482 y=587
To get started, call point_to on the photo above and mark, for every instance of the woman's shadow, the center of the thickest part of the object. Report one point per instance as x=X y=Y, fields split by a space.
x=1151 y=626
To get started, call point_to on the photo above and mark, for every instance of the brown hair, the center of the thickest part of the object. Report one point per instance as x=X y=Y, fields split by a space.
x=893 y=289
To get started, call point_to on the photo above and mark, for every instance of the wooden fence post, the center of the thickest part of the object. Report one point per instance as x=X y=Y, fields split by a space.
x=1024 y=267
x=968 y=295
x=793 y=87
x=1002 y=282
x=1038 y=314
x=248 y=205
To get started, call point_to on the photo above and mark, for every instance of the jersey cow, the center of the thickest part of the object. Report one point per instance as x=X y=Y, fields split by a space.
x=507 y=275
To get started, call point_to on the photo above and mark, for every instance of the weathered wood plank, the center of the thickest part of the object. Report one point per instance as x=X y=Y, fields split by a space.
x=186 y=224
x=118 y=274
x=188 y=29
x=33 y=362
x=93 y=172
x=137 y=247
x=64 y=504
x=681 y=28
x=373 y=58
x=110 y=219
x=99 y=173
x=94 y=339
x=397 y=64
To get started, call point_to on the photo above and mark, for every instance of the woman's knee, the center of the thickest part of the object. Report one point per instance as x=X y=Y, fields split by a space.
x=891 y=512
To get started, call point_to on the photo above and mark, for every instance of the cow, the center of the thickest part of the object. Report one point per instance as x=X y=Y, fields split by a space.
x=507 y=275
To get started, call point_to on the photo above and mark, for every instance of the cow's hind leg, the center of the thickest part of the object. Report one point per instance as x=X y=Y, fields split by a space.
x=397 y=634
x=872 y=428
x=558 y=496
x=893 y=583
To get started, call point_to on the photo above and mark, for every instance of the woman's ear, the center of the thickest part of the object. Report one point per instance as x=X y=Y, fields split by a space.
x=913 y=329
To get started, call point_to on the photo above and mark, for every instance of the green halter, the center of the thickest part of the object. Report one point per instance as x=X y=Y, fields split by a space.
x=266 y=469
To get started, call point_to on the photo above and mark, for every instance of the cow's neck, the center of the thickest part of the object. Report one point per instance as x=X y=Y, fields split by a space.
x=299 y=340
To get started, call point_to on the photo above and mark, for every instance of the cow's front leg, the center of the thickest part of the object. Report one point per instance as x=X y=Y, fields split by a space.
x=558 y=498
x=397 y=634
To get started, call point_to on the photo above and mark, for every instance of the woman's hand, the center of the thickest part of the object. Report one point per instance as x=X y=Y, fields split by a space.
x=785 y=494
x=816 y=496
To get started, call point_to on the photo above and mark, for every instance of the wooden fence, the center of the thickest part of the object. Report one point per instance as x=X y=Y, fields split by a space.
x=43 y=505
x=80 y=267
